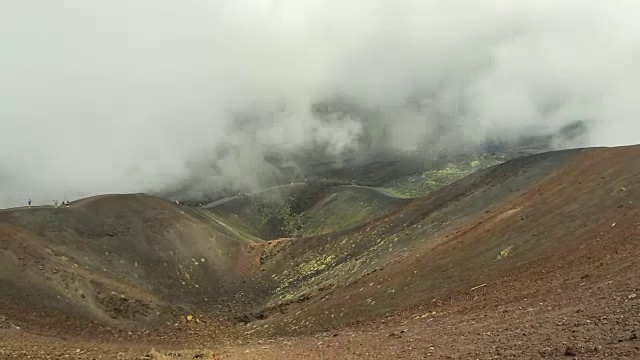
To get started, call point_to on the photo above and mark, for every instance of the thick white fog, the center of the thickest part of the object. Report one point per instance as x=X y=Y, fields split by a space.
x=124 y=96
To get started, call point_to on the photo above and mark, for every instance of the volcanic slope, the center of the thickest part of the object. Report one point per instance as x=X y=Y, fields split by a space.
x=536 y=257
x=524 y=214
x=116 y=262
x=304 y=209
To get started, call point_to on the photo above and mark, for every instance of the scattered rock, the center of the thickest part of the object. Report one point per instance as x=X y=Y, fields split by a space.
x=570 y=351
x=154 y=355
x=546 y=352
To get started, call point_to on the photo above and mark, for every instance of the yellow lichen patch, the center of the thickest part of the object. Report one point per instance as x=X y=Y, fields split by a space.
x=504 y=253
x=316 y=265
x=421 y=185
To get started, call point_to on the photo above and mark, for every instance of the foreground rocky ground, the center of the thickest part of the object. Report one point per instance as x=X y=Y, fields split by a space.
x=535 y=258
x=581 y=314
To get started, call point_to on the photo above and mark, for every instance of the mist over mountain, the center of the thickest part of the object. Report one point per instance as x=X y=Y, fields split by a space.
x=155 y=96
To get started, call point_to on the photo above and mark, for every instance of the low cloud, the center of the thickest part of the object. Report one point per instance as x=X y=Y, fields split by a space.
x=122 y=96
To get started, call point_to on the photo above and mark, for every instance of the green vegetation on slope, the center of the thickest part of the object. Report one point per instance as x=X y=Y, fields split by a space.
x=261 y=217
x=323 y=207
x=306 y=211
x=422 y=184
x=275 y=214
x=346 y=209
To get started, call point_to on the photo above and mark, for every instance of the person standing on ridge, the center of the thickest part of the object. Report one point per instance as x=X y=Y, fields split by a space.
x=29 y=202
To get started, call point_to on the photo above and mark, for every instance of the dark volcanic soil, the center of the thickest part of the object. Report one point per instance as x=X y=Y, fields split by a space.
x=535 y=258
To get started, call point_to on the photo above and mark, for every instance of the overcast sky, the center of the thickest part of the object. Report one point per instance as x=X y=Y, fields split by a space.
x=120 y=95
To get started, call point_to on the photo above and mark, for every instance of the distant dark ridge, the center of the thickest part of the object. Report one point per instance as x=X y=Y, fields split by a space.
x=369 y=168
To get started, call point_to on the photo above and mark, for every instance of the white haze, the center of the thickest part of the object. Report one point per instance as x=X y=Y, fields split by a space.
x=126 y=96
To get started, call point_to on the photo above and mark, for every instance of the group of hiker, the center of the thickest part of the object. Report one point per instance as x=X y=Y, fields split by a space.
x=55 y=203
x=62 y=203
